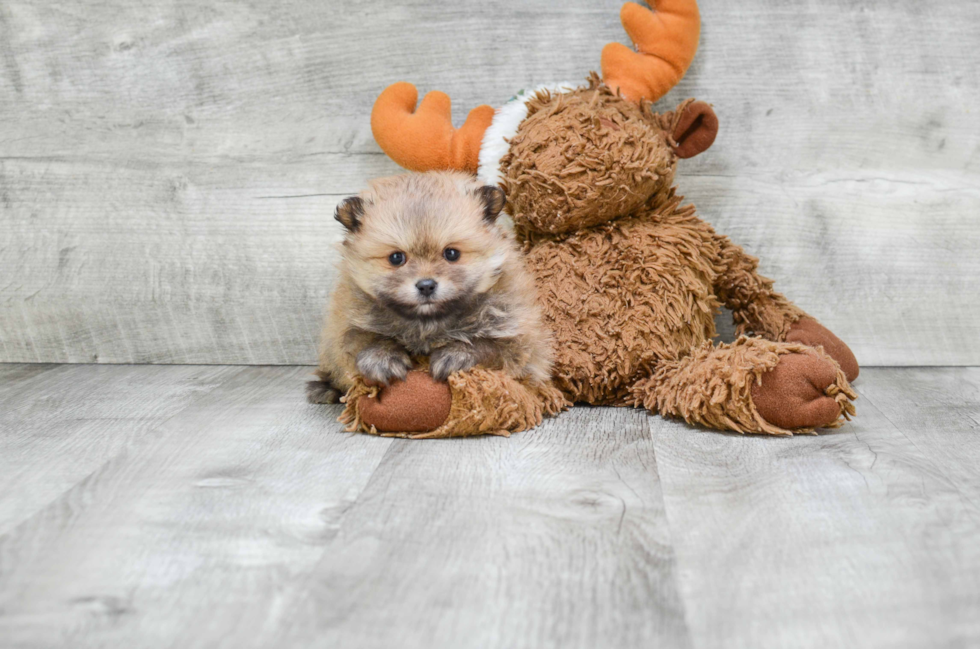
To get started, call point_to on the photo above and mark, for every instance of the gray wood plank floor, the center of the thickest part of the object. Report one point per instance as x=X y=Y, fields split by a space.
x=209 y=506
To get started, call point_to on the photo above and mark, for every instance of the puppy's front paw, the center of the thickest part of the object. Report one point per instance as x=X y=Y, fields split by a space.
x=451 y=358
x=384 y=364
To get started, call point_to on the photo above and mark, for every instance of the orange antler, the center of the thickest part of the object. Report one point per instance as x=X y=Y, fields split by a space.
x=424 y=139
x=666 y=40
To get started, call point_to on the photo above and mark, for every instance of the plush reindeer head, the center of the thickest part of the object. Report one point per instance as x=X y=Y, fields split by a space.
x=569 y=157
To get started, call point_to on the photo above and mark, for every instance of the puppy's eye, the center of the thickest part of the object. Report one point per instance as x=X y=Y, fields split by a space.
x=396 y=258
x=451 y=254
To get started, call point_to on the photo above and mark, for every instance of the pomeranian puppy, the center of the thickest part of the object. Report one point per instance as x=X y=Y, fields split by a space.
x=428 y=271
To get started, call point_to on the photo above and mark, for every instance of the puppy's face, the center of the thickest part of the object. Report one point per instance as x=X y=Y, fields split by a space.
x=425 y=245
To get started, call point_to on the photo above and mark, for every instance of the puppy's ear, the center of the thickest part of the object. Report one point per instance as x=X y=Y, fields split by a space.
x=493 y=200
x=349 y=213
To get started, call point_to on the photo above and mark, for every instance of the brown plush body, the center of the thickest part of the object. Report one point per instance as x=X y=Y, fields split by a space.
x=629 y=277
x=632 y=284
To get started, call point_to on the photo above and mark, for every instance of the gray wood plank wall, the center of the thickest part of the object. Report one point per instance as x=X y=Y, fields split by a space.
x=168 y=170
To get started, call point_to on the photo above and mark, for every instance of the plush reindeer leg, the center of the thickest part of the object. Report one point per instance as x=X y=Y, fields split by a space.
x=759 y=309
x=751 y=386
x=808 y=331
x=474 y=402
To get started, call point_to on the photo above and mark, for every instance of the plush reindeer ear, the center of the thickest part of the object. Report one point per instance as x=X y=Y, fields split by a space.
x=493 y=200
x=349 y=213
x=696 y=129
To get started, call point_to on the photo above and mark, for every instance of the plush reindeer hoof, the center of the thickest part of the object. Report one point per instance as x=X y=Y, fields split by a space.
x=802 y=391
x=811 y=333
x=416 y=405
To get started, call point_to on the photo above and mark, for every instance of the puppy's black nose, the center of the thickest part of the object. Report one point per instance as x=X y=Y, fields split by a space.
x=426 y=286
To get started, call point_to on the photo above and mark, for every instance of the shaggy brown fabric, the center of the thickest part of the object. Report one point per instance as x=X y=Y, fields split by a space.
x=583 y=158
x=756 y=307
x=623 y=296
x=484 y=402
x=713 y=387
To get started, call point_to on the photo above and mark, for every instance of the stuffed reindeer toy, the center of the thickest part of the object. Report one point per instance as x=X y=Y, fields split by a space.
x=629 y=277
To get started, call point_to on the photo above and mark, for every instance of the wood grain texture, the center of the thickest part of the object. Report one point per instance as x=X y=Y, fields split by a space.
x=185 y=537
x=224 y=511
x=868 y=536
x=61 y=423
x=168 y=170
x=247 y=519
x=556 y=538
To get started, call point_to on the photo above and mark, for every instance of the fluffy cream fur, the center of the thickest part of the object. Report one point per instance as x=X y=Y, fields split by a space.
x=490 y=314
